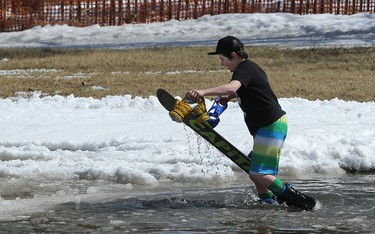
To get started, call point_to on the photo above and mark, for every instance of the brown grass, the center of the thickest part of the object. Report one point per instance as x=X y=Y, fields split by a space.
x=347 y=74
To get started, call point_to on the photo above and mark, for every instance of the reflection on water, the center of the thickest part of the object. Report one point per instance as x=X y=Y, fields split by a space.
x=345 y=206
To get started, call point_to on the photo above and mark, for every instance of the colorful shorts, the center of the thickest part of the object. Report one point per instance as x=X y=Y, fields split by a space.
x=268 y=143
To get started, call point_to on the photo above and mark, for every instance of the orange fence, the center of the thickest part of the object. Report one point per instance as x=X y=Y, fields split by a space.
x=17 y=15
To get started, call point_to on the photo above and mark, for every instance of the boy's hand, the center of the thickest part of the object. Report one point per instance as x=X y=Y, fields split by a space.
x=195 y=95
x=223 y=100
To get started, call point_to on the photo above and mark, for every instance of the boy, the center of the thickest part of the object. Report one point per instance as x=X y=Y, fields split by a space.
x=264 y=118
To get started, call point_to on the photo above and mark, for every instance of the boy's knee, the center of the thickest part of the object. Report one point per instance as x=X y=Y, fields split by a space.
x=255 y=177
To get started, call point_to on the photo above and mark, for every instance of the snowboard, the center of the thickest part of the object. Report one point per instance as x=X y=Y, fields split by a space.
x=205 y=130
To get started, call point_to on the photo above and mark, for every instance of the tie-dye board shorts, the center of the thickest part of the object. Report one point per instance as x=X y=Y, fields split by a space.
x=268 y=143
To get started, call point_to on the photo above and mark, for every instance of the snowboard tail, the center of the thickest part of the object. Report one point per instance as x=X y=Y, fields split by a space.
x=206 y=131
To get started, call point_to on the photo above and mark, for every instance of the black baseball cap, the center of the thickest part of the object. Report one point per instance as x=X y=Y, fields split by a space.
x=227 y=45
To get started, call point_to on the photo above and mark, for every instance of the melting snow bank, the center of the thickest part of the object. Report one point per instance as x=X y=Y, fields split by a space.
x=132 y=140
x=327 y=134
x=310 y=30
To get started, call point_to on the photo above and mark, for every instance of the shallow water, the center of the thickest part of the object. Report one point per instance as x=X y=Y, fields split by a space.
x=346 y=205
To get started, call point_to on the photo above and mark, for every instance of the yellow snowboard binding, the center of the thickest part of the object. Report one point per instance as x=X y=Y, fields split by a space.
x=183 y=107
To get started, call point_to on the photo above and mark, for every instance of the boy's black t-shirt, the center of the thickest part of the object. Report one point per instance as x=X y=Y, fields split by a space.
x=255 y=96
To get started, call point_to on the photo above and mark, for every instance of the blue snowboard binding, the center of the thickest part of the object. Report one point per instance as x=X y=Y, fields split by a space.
x=215 y=111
